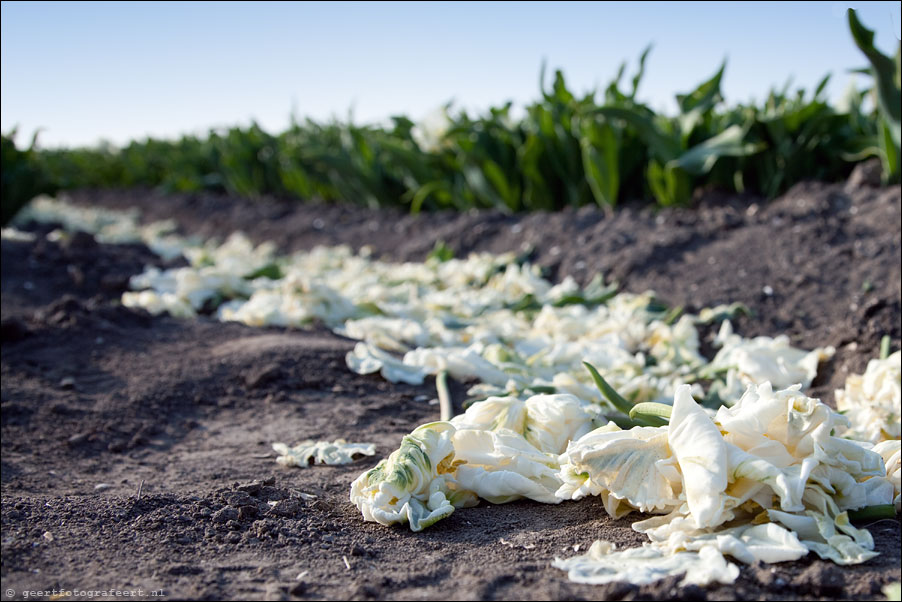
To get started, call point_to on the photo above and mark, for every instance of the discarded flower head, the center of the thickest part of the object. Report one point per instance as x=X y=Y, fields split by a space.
x=873 y=401
x=310 y=452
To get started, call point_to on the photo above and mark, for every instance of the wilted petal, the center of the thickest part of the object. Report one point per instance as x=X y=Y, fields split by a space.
x=891 y=452
x=761 y=543
x=552 y=421
x=851 y=457
x=385 y=332
x=872 y=400
x=463 y=363
x=702 y=456
x=826 y=531
x=787 y=483
x=603 y=563
x=623 y=465
x=321 y=452
x=366 y=359
x=495 y=413
x=157 y=303
x=754 y=361
x=501 y=466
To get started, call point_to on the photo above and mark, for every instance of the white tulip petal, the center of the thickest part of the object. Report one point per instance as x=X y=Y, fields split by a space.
x=463 y=363
x=494 y=413
x=702 y=456
x=787 y=483
x=872 y=400
x=502 y=486
x=366 y=359
x=501 y=466
x=754 y=361
x=767 y=543
x=17 y=235
x=891 y=452
x=603 y=563
x=624 y=465
x=552 y=421
x=827 y=531
x=321 y=452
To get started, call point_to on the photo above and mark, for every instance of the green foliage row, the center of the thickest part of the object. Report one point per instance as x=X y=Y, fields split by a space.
x=21 y=177
x=567 y=150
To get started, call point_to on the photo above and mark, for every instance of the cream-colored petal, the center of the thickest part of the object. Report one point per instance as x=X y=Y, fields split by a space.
x=321 y=452
x=702 y=456
x=603 y=563
x=411 y=484
x=366 y=359
x=624 y=465
x=495 y=413
x=501 y=466
x=552 y=421
x=891 y=452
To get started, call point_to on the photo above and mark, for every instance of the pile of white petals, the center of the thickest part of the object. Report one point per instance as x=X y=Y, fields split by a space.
x=107 y=225
x=769 y=476
x=484 y=318
x=761 y=481
x=872 y=401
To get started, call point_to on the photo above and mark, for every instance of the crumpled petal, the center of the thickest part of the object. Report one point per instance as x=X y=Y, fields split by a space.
x=17 y=235
x=321 y=452
x=891 y=452
x=157 y=303
x=788 y=483
x=395 y=334
x=699 y=557
x=548 y=422
x=603 y=563
x=501 y=466
x=463 y=363
x=366 y=359
x=702 y=456
x=620 y=466
x=872 y=400
x=754 y=361
x=495 y=413
x=767 y=543
x=552 y=421
x=825 y=530
x=747 y=543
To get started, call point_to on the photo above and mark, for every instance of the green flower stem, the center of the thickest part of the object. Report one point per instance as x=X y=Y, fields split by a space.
x=673 y=315
x=618 y=400
x=885 y=343
x=446 y=408
x=873 y=512
x=652 y=412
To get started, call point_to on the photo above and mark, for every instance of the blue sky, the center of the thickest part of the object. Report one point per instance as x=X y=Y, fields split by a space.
x=119 y=71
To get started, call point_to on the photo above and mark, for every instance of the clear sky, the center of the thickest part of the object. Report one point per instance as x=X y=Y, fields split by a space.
x=87 y=71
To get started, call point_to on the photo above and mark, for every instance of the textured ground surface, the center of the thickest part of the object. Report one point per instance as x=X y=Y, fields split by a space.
x=136 y=450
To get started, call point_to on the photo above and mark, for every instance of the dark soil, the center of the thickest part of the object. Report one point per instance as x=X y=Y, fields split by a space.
x=136 y=450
